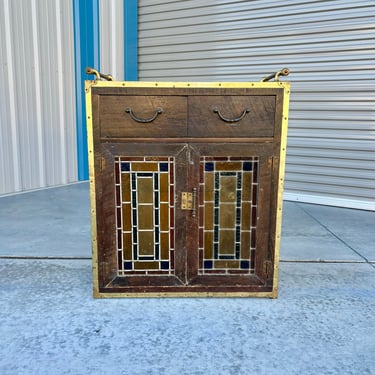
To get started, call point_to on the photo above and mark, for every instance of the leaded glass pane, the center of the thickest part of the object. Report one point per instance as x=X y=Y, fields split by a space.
x=227 y=222
x=145 y=215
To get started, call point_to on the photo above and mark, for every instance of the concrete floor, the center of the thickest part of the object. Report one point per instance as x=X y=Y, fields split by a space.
x=322 y=323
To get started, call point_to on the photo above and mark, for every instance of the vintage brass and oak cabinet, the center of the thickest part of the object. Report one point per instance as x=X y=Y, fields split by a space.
x=186 y=187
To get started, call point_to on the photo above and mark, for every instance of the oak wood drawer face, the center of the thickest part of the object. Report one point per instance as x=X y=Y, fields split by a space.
x=143 y=116
x=231 y=116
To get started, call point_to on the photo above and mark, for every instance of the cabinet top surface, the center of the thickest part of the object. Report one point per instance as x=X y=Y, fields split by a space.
x=263 y=85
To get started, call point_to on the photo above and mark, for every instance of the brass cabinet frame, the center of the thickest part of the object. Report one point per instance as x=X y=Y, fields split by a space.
x=89 y=85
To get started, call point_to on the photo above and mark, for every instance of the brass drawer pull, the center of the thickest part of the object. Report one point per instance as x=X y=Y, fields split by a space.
x=231 y=120
x=158 y=111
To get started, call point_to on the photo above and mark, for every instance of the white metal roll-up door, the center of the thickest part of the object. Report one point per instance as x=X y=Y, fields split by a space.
x=37 y=99
x=329 y=47
x=112 y=38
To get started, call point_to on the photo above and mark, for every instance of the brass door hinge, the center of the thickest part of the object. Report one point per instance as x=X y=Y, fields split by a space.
x=188 y=201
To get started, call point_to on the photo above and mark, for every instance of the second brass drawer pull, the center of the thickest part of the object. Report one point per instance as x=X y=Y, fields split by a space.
x=158 y=111
x=231 y=120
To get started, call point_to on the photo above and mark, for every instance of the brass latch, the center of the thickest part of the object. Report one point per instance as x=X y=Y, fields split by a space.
x=188 y=201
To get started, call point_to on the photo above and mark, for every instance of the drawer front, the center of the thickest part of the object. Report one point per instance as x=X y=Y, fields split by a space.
x=140 y=116
x=232 y=116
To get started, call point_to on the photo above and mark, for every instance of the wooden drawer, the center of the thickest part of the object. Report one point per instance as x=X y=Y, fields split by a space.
x=231 y=116
x=142 y=116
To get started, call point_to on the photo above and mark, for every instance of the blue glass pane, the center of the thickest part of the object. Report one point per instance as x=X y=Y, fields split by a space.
x=125 y=167
x=128 y=265
x=239 y=181
x=163 y=167
x=247 y=166
x=208 y=264
x=216 y=250
x=245 y=264
x=164 y=265
x=209 y=167
x=237 y=250
x=226 y=257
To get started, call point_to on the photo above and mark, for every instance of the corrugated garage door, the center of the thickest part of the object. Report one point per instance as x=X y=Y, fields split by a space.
x=329 y=47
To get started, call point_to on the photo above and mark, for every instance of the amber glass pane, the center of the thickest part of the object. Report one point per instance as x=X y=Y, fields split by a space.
x=208 y=216
x=228 y=188
x=127 y=243
x=208 y=245
x=227 y=215
x=146 y=243
x=245 y=245
x=247 y=186
x=164 y=245
x=164 y=216
x=209 y=187
x=164 y=187
x=125 y=186
x=228 y=166
x=146 y=265
x=145 y=217
x=145 y=190
x=146 y=167
x=246 y=216
x=227 y=264
x=227 y=242
x=126 y=216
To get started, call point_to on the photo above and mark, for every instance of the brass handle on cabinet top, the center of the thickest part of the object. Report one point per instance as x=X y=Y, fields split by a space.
x=158 y=111
x=283 y=72
x=98 y=75
x=231 y=120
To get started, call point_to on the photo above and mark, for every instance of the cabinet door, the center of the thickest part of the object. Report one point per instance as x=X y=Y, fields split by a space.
x=141 y=234
x=228 y=239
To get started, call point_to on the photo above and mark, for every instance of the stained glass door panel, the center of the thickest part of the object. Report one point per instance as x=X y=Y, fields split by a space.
x=145 y=215
x=233 y=188
x=228 y=214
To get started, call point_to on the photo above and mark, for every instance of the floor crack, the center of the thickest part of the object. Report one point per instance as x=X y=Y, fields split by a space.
x=336 y=236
